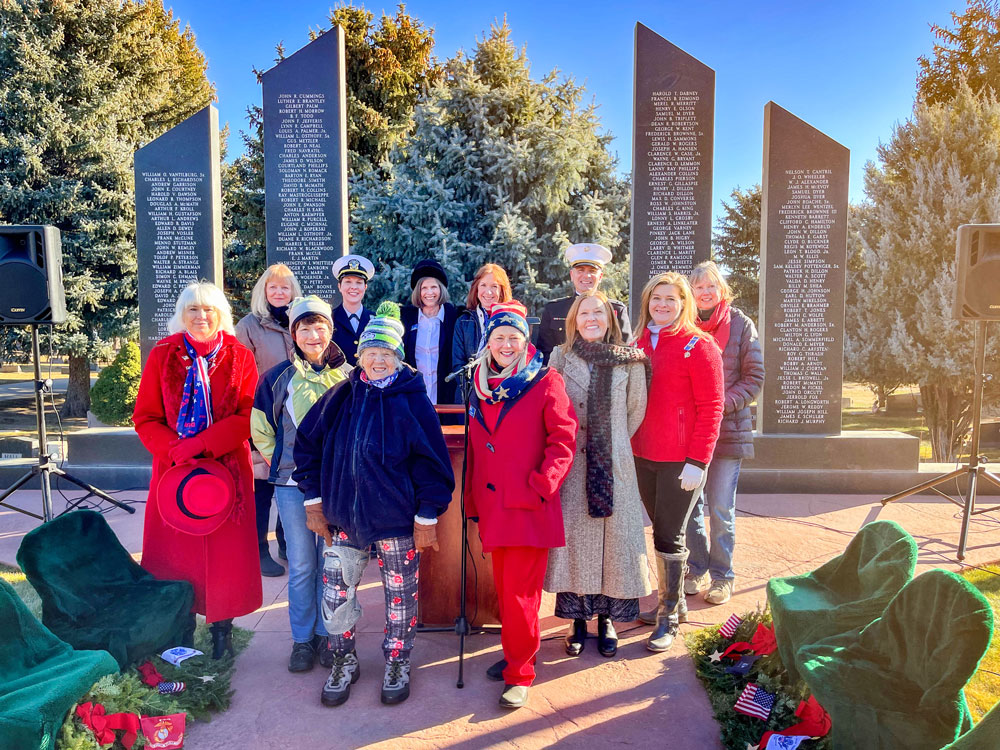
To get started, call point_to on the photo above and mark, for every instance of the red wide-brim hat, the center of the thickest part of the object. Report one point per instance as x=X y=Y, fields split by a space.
x=196 y=497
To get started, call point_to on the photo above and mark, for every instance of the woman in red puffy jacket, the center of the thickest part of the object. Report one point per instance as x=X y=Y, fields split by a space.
x=522 y=437
x=675 y=441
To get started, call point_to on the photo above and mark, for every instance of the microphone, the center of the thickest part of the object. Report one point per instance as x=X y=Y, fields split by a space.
x=463 y=370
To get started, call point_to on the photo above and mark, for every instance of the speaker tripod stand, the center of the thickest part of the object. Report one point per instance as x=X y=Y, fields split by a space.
x=972 y=469
x=46 y=466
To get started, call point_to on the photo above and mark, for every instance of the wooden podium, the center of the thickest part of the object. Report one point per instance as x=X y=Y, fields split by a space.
x=441 y=572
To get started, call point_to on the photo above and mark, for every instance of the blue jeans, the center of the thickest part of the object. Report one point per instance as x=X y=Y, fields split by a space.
x=305 y=561
x=720 y=495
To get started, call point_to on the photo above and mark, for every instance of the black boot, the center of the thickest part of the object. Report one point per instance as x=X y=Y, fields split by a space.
x=222 y=638
x=268 y=567
x=576 y=639
x=607 y=638
x=670 y=575
x=187 y=638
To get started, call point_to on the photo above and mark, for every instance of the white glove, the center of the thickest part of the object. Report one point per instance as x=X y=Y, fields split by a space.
x=691 y=477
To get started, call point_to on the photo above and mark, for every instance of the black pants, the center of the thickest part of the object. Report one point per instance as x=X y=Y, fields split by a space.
x=263 y=491
x=668 y=506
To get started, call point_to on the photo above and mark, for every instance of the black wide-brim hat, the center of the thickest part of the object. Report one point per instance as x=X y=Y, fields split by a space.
x=428 y=267
x=196 y=497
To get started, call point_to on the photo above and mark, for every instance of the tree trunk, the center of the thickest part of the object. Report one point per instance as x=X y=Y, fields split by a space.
x=78 y=390
x=946 y=413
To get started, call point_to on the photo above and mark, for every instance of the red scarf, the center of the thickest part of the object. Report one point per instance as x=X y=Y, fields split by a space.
x=718 y=324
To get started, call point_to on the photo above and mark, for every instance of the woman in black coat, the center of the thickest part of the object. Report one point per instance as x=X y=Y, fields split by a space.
x=429 y=325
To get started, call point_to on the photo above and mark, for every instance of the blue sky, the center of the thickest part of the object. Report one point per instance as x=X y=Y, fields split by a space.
x=847 y=68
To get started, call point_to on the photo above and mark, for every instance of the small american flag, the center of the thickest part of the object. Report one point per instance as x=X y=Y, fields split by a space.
x=755 y=701
x=730 y=625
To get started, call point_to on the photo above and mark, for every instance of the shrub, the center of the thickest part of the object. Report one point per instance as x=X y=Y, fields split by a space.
x=112 y=399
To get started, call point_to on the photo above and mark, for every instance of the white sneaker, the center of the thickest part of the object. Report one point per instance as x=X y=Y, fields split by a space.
x=693 y=584
x=719 y=592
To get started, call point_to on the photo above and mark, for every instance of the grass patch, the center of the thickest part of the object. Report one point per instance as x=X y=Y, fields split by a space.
x=125 y=692
x=983 y=690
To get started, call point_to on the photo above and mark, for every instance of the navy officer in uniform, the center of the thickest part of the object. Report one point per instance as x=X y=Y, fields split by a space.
x=351 y=316
x=586 y=266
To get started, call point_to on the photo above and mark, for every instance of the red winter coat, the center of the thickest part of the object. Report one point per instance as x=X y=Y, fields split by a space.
x=224 y=566
x=684 y=406
x=519 y=454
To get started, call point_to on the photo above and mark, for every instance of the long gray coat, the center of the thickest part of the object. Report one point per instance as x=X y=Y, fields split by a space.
x=602 y=555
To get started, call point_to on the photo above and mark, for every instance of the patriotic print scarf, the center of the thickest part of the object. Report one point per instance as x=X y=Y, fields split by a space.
x=195 y=413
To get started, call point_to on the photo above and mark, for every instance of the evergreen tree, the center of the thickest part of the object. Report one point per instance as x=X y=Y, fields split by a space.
x=83 y=84
x=736 y=247
x=498 y=168
x=940 y=169
x=970 y=51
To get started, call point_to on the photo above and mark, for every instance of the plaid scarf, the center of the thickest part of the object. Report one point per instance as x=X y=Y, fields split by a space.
x=195 y=413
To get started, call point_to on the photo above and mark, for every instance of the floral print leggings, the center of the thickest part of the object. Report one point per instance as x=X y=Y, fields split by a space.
x=344 y=564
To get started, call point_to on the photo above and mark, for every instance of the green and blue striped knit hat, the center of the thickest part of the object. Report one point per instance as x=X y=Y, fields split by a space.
x=384 y=330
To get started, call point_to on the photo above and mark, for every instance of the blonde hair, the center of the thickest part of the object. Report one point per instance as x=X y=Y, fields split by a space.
x=415 y=294
x=202 y=293
x=611 y=336
x=506 y=295
x=258 y=299
x=708 y=270
x=685 y=322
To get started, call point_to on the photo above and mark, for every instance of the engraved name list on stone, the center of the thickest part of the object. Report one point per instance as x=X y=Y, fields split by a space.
x=672 y=131
x=673 y=163
x=305 y=161
x=803 y=259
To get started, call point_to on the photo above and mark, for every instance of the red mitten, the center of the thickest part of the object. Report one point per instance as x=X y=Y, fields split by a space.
x=186 y=449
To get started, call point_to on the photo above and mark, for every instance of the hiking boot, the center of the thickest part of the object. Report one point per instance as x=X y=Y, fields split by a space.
x=576 y=638
x=396 y=682
x=322 y=645
x=303 y=657
x=495 y=672
x=719 y=592
x=344 y=672
x=514 y=696
x=693 y=584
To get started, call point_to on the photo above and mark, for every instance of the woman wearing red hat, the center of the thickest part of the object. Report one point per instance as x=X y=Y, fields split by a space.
x=522 y=437
x=194 y=402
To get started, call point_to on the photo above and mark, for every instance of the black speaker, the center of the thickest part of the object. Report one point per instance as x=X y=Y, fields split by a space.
x=977 y=272
x=31 y=283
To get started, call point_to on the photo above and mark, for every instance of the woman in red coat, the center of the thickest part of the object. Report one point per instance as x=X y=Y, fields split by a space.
x=177 y=423
x=522 y=437
x=675 y=441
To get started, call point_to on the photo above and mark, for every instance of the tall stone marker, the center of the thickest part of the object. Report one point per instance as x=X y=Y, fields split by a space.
x=672 y=136
x=305 y=161
x=178 y=218
x=802 y=280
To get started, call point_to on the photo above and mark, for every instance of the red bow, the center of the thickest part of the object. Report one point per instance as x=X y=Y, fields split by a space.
x=149 y=673
x=815 y=722
x=762 y=643
x=103 y=725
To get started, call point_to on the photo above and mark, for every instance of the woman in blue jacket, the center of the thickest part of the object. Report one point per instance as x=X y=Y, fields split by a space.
x=372 y=464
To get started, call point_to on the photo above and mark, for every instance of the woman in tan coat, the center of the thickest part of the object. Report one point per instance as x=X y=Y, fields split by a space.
x=602 y=569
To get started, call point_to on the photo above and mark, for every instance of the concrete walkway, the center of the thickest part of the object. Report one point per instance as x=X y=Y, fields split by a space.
x=637 y=699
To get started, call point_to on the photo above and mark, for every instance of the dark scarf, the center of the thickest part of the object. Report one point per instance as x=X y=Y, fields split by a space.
x=600 y=458
x=279 y=314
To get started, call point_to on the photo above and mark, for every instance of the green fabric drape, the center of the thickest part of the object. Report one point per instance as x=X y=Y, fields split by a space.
x=984 y=736
x=843 y=595
x=41 y=677
x=898 y=683
x=95 y=596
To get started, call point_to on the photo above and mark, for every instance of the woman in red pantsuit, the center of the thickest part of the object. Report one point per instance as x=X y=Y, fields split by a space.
x=522 y=437
x=222 y=566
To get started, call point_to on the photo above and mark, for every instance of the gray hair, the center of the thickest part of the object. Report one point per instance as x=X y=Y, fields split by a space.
x=415 y=294
x=202 y=293
x=258 y=299
x=399 y=363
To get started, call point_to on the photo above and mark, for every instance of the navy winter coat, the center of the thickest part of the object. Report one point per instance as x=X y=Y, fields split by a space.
x=375 y=456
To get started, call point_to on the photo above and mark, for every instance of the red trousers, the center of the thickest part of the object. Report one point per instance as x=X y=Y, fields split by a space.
x=518 y=574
